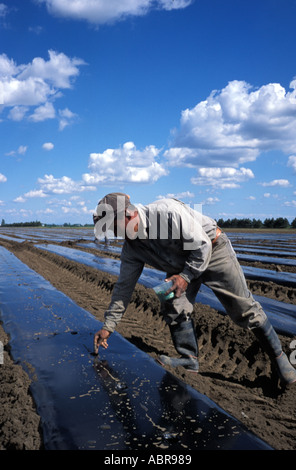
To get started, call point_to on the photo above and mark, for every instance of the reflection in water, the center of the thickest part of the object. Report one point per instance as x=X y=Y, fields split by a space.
x=169 y=417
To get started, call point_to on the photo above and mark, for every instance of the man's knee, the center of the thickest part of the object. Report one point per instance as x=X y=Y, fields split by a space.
x=255 y=317
x=176 y=310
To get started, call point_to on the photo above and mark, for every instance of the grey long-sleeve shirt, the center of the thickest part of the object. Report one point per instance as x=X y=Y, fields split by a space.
x=173 y=238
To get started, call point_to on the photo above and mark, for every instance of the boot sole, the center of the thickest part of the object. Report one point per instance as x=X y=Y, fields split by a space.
x=281 y=365
x=284 y=382
x=188 y=370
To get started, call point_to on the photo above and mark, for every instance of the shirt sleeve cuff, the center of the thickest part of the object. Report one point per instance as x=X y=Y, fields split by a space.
x=187 y=276
x=109 y=326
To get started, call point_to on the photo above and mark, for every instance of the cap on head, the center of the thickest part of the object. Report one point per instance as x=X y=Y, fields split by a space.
x=108 y=209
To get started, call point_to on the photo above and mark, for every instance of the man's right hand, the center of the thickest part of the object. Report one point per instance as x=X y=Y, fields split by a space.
x=100 y=339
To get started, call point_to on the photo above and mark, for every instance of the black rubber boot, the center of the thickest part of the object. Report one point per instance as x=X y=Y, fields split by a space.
x=271 y=344
x=185 y=342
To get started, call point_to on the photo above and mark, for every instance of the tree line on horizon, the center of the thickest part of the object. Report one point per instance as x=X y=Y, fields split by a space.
x=37 y=223
x=21 y=224
x=279 y=222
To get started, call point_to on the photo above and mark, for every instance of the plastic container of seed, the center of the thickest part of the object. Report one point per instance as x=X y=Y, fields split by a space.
x=161 y=290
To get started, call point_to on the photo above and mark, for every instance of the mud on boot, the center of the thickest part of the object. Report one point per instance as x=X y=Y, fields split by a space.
x=286 y=371
x=271 y=344
x=189 y=363
x=185 y=342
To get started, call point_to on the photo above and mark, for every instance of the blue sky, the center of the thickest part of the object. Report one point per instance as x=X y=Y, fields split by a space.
x=190 y=99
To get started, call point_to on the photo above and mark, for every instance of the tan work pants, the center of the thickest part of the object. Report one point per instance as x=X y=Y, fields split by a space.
x=225 y=277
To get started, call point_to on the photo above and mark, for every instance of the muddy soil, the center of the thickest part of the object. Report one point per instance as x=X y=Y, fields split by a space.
x=19 y=422
x=234 y=372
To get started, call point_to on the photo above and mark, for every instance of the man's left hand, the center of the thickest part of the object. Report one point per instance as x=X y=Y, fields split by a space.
x=179 y=284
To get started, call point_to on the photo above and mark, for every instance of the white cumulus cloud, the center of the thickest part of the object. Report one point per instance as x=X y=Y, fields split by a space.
x=107 y=11
x=36 y=85
x=211 y=201
x=290 y=204
x=43 y=112
x=181 y=196
x=17 y=113
x=126 y=164
x=19 y=199
x=35 y=193
x=234 y=125
x=65 y=185
x=66 y=117
x=222 y=178
x=281 y=183
x=48 y=146
x=59 y=70
x=116 y=166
